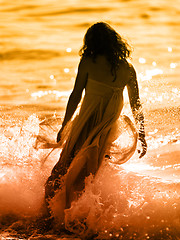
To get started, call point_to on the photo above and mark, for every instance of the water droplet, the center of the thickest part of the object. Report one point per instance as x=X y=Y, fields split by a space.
x=173 y=65
x=169 y=49
x=66 y=70
x=175 y=90
x=68 y=49
x=142 y=60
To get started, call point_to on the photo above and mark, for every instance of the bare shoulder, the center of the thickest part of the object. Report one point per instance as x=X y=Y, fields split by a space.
x=83 y=64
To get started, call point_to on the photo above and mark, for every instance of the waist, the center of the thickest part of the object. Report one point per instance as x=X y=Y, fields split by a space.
x=101 y=89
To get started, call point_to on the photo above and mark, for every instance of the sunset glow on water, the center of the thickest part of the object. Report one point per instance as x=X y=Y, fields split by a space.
x=40 y=41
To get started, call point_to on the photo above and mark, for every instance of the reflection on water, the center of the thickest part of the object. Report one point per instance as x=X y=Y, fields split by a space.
x=38 y=40
x=39 y=48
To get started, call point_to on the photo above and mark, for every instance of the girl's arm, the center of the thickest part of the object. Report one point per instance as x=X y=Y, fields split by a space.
x=133 y=91
x=76 y=94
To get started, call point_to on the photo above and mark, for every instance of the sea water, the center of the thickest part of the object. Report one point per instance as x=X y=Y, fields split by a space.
x=39 y=48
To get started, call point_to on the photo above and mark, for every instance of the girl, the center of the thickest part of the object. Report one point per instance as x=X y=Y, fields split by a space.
x=103 y=72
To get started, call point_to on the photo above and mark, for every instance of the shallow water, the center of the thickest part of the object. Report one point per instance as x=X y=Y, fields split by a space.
x=39 y=48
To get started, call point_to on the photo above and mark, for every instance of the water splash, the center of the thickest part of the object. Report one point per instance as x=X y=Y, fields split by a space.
x=121 y=201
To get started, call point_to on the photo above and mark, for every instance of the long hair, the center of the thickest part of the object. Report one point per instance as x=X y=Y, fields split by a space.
x=102 y=39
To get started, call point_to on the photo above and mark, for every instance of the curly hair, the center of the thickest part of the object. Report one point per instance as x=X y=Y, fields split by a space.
x=102 y=39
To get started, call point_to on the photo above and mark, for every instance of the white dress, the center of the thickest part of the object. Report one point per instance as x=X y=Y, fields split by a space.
x=88 y=138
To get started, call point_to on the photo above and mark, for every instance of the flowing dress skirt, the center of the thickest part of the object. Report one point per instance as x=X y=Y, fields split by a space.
x=87 y=138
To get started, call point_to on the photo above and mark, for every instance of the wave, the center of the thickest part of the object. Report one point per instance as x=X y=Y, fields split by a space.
x=122 y=202
x=75 y=10
x=33 y=54
x=20 y=8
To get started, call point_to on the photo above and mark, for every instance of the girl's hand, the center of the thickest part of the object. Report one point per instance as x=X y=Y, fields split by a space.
x=143 y=144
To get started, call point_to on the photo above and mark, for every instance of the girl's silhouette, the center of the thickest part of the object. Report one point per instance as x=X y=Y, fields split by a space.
x=103 y=72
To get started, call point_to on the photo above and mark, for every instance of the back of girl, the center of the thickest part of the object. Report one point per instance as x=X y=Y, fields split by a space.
x=106 y=55
x=103 y=72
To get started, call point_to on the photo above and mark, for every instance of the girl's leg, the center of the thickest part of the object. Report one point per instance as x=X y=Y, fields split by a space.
x=84 y=165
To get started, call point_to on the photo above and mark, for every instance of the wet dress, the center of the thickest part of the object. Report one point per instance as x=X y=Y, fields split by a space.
x=88 y=136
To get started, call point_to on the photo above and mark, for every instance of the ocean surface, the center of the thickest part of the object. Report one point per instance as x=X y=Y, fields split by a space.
x=39 y=44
